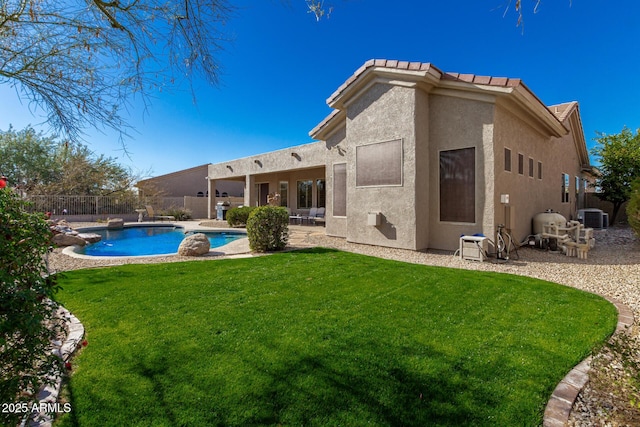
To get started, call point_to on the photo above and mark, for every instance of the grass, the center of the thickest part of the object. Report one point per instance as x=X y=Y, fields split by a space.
x=322 y=338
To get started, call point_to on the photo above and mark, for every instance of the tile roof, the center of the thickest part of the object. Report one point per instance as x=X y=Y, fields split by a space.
x=429 y=73
x=482 y=80
x=384 y=63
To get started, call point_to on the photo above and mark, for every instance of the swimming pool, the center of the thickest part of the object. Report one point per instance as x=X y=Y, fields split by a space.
x=148 y=240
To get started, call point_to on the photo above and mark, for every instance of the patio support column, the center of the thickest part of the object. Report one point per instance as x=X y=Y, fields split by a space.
x=211 y=201
x=249 y=188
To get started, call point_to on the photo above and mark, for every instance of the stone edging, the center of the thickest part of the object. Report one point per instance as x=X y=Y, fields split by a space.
x=559 y=406
x=49 y=394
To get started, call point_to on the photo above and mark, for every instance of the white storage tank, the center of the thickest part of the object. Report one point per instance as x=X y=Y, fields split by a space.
x=546 y=217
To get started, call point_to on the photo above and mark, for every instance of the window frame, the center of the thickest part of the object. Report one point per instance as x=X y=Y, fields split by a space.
x=453 y=213
x=339 y=196
x=520 y=164
x=508 y=167
x=284 y=195
x=321 y=193
x=531 y=168
x=308 y=195
x=362 y=182
x=566 y=182
x=540 y=170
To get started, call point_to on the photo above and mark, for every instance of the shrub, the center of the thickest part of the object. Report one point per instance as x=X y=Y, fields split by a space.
x=239 y=216
x=268 y=228
x=180 y=214
x=633 y=207
x=27 y=314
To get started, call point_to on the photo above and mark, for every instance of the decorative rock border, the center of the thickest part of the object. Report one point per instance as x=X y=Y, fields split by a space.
x=559 y=406
x=49 y=394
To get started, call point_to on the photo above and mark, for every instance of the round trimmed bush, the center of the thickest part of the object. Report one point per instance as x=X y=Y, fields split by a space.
x=237 y=217
x=268 y=228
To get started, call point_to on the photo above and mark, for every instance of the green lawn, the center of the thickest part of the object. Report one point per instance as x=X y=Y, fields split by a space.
x=322 y=338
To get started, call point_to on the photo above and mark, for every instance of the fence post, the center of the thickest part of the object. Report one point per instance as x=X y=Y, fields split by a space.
x=97 y=213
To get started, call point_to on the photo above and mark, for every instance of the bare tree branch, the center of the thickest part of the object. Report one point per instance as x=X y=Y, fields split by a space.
x=82 y=61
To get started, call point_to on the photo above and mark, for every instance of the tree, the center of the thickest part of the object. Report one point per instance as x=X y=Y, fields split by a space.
x=633 y=208
x=27 y=315
x=26 y=157
x=41 y=164
x=81 y=61
x=619 y=158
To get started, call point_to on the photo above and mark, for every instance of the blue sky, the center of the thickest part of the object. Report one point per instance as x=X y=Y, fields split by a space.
x=282 y=65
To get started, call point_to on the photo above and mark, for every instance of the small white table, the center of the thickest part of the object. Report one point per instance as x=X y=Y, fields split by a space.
x=140 y=214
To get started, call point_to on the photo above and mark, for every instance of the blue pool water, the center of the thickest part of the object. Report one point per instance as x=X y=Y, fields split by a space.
x=148 y=240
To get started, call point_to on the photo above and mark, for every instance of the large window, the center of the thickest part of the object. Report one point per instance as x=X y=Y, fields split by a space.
x=379 y=164
x=321 y=194
x=340 y=189
x=305 y=190
x=284 y=193
x=458 y=185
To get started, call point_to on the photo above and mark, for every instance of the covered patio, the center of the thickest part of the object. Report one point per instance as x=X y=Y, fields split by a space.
x=296 y=173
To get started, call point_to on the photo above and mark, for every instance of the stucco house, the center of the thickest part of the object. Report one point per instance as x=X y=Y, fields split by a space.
x=412 y=157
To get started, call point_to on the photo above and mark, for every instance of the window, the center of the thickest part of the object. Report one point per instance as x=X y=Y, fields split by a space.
x=284 y=193
x=565 y=188
x=577 y=185
x=458 y=185
x=305 y=198
x=507 y=160
x=521 y=164
x=340 y=189
x=379 y=164
x=321 y=201
x=530 y=167
x=539 y=170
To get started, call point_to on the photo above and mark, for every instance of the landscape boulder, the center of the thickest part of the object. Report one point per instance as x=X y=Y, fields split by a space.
x=90 y=237
x=194 y=245
x=67 y=240
x=115 y=223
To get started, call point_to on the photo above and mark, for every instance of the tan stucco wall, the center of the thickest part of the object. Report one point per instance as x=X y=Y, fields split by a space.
x=457 y=123
x=383 y=113
x=529 y=196
x=423 y=196
x=189 y=182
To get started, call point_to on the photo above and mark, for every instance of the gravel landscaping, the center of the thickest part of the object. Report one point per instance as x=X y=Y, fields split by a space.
x=612 y=269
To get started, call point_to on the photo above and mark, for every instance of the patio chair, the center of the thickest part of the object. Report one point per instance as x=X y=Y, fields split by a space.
x=311 y=216
x=319 y=216
x=152 y=216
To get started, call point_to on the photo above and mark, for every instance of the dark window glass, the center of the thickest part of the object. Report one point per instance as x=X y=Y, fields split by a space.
x=458 y=185
x=521 y=164
x=507 y=160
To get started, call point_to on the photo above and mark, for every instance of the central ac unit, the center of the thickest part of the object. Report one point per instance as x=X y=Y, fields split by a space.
x=592 y=218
